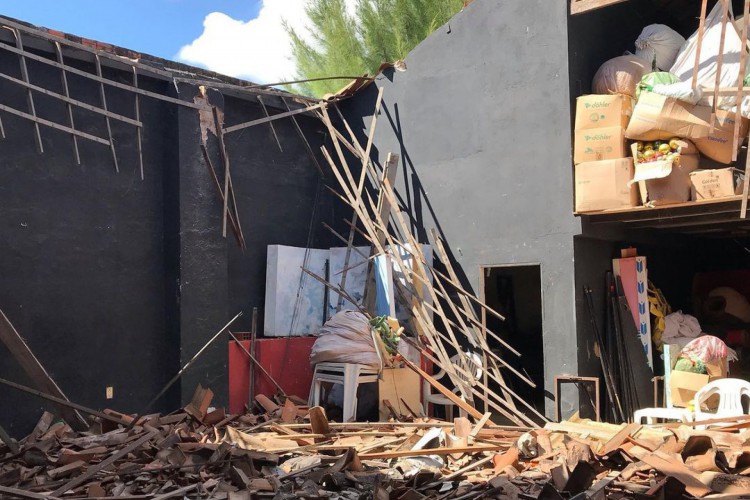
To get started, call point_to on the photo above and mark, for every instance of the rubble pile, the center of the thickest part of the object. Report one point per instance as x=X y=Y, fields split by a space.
x=290 y=451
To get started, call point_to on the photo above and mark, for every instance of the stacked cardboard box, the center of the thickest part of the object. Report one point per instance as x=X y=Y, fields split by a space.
x=713 y=183
x=602 y=170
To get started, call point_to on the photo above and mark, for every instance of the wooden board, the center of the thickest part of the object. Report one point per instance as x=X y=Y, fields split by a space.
x=36 y=372
x=397 y=384
x=581 y=6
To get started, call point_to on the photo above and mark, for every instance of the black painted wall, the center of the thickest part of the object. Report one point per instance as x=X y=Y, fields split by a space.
x=115 y=281
x=82 y=257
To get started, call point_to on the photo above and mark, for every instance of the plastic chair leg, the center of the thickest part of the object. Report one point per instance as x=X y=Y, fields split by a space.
x=351 y=381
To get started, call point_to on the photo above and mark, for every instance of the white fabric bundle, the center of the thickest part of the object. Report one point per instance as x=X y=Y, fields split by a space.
x=678 y=325
x=708 y=66
x=659 y=43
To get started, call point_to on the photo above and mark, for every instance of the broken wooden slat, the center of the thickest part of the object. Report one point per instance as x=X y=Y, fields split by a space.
x=690 y=479
x=54 y=125
x=138 y=138
x=105 y=81
x=29 y=95
x=91 y=471
x=34 y=369
x=260 y=121
x=64 y=80
x=103 y=99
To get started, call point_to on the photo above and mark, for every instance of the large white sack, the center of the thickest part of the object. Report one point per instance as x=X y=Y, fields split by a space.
x=346 y=338
x=660 y=44
x=620 y=75
x=730 y=64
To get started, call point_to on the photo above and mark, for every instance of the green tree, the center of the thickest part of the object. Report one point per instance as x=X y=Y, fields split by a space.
x=380 y=31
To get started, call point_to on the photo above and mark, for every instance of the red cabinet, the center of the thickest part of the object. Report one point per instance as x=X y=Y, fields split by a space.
x=286 y=359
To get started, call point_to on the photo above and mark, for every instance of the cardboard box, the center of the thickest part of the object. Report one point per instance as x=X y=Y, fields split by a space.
x=709 y=184
x=598 y=111
x=663 y=183
x=658 y=117
x=402 y=388
x=607 y=143
x=602 y=185
x=666 y=190
x=718 y=368
x=684 y=385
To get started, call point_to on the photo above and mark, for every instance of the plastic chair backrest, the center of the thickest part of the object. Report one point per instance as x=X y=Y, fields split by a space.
x=470 y=364
x=730 y=391
x=471 y=358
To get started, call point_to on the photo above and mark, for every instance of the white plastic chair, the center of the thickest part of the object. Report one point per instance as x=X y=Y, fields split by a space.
x=730 y=391
x=349 y=375
x=651 y=414
x=471 y=365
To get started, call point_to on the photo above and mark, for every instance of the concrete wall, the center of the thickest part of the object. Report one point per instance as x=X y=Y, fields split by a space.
x=117 y=281
x=481 y=120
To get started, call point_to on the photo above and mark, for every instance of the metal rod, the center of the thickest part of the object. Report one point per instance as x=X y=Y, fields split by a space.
x=253 y=336
x=270 y=123
x=62 y=402
x=257 y=363
x=304 y=139
x=192 y=360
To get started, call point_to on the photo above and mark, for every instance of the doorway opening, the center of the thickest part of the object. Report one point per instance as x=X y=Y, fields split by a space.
x=515 y=291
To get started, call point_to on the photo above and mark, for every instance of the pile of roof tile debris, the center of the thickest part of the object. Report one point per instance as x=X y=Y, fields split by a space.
x=287 y=450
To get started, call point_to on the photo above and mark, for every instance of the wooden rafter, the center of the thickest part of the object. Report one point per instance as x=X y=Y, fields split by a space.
x=54 y=125
x=29 y=94
x=581 y=6
x=103 y=98
x=66 y=98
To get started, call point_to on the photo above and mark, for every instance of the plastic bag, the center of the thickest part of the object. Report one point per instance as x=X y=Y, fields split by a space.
x=708 y=348
x=659 y=45
x=681 y=90
x=688 y=365
x=620 y=75
x=346 y=338
x=649 y=80
x=730 y=63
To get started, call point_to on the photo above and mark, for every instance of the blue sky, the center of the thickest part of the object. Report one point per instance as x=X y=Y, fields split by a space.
x=158 y=27
x=241 y=38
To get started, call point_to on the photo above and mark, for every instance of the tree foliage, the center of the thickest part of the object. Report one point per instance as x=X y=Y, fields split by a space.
x=380 y=31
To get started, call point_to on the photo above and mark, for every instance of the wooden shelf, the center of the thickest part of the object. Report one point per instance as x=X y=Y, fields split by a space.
x=718 y=217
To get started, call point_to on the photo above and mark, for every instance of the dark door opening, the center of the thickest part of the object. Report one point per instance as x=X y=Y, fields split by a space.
x=515 y=291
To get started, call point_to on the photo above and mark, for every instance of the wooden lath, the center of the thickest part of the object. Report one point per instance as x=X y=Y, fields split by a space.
x=581 y=6
x=424 y=290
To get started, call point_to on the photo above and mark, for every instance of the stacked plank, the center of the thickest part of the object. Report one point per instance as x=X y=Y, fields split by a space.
x=445 y=318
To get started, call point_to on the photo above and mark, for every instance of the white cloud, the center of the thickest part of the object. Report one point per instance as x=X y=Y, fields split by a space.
x=257 y=50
